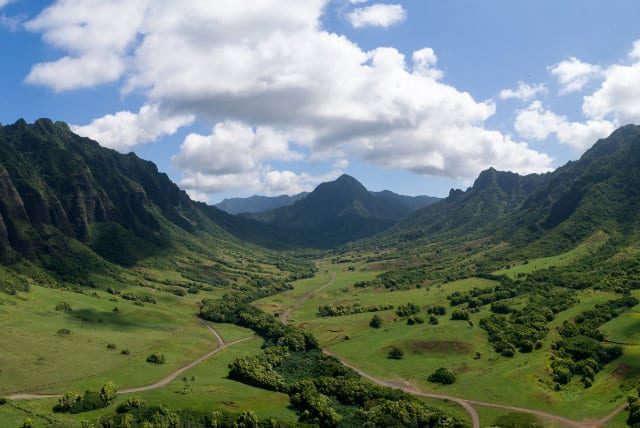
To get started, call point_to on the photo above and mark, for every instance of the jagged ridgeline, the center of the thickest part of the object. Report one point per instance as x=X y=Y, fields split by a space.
x=547 y=213
x=73 y=207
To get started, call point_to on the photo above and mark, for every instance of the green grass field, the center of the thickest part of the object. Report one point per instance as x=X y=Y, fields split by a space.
x=521 y=381
x=35 y=359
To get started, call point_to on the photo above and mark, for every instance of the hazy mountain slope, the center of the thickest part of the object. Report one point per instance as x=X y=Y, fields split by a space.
x=256 y=204
x=411 y=202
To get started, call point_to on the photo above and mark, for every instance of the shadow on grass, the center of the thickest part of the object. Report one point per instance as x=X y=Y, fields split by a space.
x=116 y=320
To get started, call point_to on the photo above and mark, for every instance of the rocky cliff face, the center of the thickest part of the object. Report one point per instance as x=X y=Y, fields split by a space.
x=54 y=183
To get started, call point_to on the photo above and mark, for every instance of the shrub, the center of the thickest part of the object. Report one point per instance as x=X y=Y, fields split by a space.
x=3 y=401
x=125 y=352
x=442 y=375
x=376 y=322
x=395 y=353
x=63 y=306
x=156 y=358
x=63 y=332
x=437 y=310
x=433 y=320
x=130 y=404
x=111 y=346
x=459 y=315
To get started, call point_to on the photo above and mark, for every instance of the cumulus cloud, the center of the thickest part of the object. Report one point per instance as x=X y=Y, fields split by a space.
x=266 y=181
x=232 y=148
x=524 y=91
x=124 y=130
x=97 y=36
x=266 y=75
x=538 y=123
x=377 y=15
x=619 y=95
x=77 y=72
x=573 y=74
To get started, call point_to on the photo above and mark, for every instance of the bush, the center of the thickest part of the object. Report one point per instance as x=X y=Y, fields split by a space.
x=395 y=353
x=125 y=352
x=63 y=306
x=111 y=346
x=63 y=332
x=156 y=358
x=376 y=322
x=459 y=315
x=3 y=401
x=130 y=404
x=443 y=376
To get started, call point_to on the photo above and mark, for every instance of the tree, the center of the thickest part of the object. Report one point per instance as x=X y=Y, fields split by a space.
x=376 y=322
x=108 y=392
x=156 y=358
x=442 y=375
x=395 y=353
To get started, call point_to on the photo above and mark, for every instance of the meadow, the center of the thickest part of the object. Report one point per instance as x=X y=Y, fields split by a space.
x=482 y=374
x=109 y=339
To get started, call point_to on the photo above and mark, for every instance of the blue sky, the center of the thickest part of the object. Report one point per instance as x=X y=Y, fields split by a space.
x=275 y=96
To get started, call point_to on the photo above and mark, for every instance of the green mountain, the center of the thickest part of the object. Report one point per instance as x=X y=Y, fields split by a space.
x=493 y=197
x=546 y=213
x=256 y=204
x=73 y=207
x=335 y=213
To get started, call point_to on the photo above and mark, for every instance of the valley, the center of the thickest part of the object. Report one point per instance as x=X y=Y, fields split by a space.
x=512 y=302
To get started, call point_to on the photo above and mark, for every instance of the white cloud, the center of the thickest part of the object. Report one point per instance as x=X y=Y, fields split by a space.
x=3 y=3
x=539 y=123
x=573 y=74
x=357 y=1
x=267 y=182
x=232 y=148
x=424 y=63
x=123 y=130
x=619 y=95
x=635 y=52
x=77 y=72
x=10 y=23
x=268 y=75
x=377 y=15
x=524 y=91
x=96 y=34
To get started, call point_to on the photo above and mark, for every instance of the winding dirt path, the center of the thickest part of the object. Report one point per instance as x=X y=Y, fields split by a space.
x=162 y=382
x=284 y=317
x=410 y=389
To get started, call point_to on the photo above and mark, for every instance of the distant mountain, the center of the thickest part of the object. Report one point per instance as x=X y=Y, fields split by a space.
x=256 y=204
x=411 y=202
x=338 y=212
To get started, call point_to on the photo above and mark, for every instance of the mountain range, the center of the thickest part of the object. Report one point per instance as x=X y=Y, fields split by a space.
x=64 y=198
